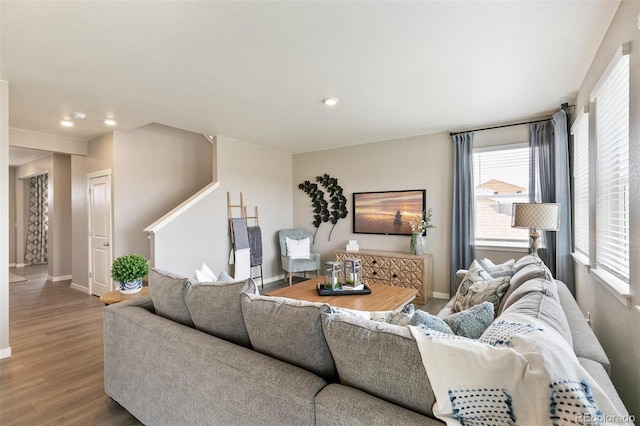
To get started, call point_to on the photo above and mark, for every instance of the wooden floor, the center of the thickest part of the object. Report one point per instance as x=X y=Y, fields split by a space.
x=55 y=373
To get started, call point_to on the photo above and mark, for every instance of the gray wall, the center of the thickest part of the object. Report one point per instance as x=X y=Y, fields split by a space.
x=99 y=157
x=12 y=216
x=617 y=326
x=60 y=218
x=79 y=223
x=5 y=349
x=421 y=162
x=155 y=168
x=202 y=233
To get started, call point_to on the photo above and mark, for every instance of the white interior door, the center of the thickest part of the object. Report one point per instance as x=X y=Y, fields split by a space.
x=100 y=254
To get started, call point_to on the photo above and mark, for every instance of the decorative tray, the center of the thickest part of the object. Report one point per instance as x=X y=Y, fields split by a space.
x=327 y=292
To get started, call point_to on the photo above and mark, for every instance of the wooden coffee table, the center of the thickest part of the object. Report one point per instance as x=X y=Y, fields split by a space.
x=382 y=297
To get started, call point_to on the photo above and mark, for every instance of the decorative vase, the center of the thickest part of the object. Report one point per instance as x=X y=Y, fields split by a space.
x=417 y=245
x=130 y=287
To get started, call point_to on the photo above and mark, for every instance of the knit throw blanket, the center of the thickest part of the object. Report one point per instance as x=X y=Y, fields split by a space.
x=519 y=372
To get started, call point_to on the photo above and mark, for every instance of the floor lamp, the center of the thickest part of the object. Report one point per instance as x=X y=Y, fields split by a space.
x=536 y=216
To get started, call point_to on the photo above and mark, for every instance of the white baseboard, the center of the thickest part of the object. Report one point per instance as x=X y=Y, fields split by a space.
x=79 y=287
x=5 y=352
x=12 y=265
x=20 y=265
x=438 y=295
x=270 y=280
x=60 y=278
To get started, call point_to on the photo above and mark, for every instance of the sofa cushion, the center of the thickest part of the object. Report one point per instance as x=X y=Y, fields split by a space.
x=472 y=322
x=530 y=272
x=541 y=285
x=289 y=330
x=546 y=308
x=379 y=358
x=215 y=309
x=343 y=405
x=524 y=274
x=477 y=287
x=527 y=260
x=167 y=292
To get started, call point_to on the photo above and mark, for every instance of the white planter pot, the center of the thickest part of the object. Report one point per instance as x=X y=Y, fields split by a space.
x=130 y=287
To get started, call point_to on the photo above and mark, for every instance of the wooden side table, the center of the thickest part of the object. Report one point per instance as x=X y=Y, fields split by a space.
x=115 y=296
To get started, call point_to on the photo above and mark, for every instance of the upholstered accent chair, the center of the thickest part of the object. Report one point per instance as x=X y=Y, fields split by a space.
x=292 y=265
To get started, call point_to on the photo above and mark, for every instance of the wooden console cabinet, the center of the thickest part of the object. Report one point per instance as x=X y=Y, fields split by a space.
x=395 y=268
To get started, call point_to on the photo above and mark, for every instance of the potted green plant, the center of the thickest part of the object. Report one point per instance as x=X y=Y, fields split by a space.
x=128 y=270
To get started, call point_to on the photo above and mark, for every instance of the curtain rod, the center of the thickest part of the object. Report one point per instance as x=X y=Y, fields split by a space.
x=500 y=127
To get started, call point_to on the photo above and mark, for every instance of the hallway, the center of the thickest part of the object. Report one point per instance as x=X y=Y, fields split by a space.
x=55 y=373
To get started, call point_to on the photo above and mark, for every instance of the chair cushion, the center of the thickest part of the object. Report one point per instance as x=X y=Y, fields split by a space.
x=167 y=293
x=301 y=265
x=289 y=330
x=215 y=309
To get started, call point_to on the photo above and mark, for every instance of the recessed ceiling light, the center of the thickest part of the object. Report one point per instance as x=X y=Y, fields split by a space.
x=67 y=123
x=330 y=101
x=110 y=122
x=79 y=115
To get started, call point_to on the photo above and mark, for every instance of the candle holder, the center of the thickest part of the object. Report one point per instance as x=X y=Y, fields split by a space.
x=333 y=275
x=353 y=271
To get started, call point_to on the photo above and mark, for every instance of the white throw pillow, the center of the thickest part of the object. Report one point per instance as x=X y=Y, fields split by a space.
x=205 y=274
x=299 y=249
x=208 y=272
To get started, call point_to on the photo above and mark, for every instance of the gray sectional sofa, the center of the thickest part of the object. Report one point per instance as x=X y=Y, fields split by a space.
x=220 y=354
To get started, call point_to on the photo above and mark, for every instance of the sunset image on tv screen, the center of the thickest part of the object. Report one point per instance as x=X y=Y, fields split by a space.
x=387 y=212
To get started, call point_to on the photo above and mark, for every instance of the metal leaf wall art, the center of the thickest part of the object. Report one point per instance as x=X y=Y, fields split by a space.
x=321 y=212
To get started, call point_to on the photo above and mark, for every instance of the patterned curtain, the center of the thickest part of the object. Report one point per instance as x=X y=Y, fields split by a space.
x=37 y=246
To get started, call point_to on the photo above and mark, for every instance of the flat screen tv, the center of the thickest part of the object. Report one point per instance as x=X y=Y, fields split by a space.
x=387 y=212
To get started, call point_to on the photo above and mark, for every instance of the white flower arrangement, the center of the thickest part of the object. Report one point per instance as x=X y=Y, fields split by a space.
x=420 y=226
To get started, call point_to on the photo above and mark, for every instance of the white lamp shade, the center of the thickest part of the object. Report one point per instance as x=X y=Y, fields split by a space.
x=543 y=216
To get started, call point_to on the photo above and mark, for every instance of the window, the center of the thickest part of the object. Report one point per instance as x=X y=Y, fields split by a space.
x=501 y=176
x=611 y=98
x=580 y=132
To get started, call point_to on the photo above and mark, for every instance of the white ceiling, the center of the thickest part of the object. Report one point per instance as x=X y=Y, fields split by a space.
x=257 y=71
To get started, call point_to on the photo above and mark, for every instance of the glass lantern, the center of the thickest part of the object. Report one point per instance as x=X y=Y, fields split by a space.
x=353 y=271
x=333 y=278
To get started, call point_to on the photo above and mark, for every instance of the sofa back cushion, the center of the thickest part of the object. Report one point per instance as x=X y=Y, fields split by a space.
x=289 y=330
x=215 y=309
x=543 y=305
x=379 y=358
x=526 y=273
x=527 y=260
x=167 y=293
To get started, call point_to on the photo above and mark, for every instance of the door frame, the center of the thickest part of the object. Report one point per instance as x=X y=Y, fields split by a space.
x=92 y=175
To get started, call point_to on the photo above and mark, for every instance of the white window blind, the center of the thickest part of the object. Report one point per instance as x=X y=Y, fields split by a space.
x=612 y=173
x=580 y=132
x=501 y=178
